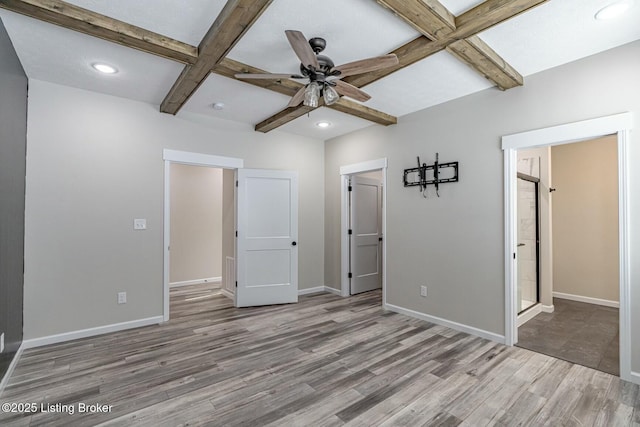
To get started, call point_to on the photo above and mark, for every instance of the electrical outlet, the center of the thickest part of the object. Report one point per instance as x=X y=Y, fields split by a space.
x=140 y=224
x=423 y=291
x=122 y=297
x=2 y=343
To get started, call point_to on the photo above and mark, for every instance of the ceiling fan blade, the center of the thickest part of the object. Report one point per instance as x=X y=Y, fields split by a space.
x=297 y=98
x=301 y=47
x=268 y=76
x=351 y=91
x=366 y=65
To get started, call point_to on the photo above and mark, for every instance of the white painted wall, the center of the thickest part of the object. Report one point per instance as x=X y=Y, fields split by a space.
x=455 y=244
x=94 y=163
x=196 y=223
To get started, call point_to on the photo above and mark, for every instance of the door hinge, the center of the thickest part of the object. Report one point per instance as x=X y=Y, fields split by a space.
x=350 y=275
x=236 y=283
x=350 y=231
x=236 y=183
x=514 y=255
x=350 y=188
x=236 y=233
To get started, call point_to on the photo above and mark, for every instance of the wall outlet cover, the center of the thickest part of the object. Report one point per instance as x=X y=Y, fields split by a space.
x=2 y=343
x=122 y=297
x=140 y=224
x=423 y=291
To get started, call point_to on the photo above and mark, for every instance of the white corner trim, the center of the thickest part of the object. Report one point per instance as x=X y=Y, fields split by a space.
x=448 y=323
x=588 y=300
x=90 y=332
x=190 y=158
x=195 y=282
x=548 y=308
x=318 y=289
x=332 y=290
x=11 y=368
x=227 y=294
x=634 y=377
x=529 y=314
x=363 y=166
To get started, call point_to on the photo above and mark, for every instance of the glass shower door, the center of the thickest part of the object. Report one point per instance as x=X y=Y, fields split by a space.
x=528 y=242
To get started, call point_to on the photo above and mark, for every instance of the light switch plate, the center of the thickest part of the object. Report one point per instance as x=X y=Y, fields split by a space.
x=139 y=224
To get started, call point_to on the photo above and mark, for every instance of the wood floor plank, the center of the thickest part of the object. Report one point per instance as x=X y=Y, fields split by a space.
x=326 y=361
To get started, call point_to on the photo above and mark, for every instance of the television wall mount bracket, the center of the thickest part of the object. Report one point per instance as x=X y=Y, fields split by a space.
x=418 y=176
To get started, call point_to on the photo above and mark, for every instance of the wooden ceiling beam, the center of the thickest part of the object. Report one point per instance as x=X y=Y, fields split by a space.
x=479 y=56
x=232 y=23
x=428 y=17
x=343 y=105
x=435 y=22
x=229 y=68
x=94 y=24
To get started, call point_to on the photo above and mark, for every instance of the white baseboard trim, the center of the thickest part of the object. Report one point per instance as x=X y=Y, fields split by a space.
x=588 y=300
x=333 y=290
x=226 y=293
x=529 y=314
x=11 y=368
x=635 y=377
x=317 y=290
x=90 y=332
x=448 y=323
x=195 y=282
x=548 y=308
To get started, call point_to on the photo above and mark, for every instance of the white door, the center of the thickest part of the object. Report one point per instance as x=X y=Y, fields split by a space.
x=267 y=251
x=365 y=235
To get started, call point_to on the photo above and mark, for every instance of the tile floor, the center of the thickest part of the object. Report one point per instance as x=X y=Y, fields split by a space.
x=577 y=332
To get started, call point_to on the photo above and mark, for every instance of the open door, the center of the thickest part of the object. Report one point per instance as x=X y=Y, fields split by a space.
x=267 y=251
x=365 y=234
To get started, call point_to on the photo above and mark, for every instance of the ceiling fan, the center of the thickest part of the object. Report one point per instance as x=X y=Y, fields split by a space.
x=319 y=74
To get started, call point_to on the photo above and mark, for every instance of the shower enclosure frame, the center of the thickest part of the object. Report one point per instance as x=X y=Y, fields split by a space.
x=536 y=182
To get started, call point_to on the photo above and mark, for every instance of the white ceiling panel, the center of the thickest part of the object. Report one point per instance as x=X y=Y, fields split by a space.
x=186 y=21
x=54 y=54
x=434 y=80
x=558 y=32
x=340 y=124
x=242 y=102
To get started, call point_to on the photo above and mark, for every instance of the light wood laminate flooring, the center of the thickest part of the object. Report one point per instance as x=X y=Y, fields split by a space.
x=326 y=361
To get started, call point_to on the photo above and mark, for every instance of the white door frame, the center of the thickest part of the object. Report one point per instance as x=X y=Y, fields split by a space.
x=619 y=125
x=185 y=158
x=345 y=172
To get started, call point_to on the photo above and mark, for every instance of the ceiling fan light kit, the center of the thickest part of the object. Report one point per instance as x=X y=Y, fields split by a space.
x=320 y=75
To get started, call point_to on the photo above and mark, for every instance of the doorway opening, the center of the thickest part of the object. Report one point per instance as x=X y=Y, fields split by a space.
x=215 y=175
x=619 y=127
x=363 y=229
x=581 y=280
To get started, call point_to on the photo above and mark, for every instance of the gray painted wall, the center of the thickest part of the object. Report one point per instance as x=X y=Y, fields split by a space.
x=13 y=140
x=94 y=163
x=455 y=244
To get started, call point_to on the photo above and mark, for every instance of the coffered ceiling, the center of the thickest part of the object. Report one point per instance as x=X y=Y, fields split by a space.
x=182 y=56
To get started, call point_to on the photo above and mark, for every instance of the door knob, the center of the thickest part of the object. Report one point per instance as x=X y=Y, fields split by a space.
x=293 y=243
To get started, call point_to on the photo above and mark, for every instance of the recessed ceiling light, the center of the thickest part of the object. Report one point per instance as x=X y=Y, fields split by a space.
x=323 y=124
x=218 y=106
x=613 y=10
x=104 y=68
